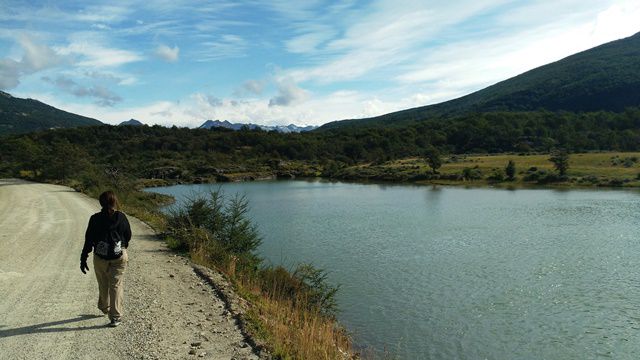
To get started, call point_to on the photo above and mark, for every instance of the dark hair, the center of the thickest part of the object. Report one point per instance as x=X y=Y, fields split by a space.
x=109 y=201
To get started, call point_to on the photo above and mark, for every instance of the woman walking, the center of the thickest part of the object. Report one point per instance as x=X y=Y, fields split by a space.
x=108 y=235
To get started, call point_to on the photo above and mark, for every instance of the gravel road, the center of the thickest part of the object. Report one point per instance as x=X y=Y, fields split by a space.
x=48 y=307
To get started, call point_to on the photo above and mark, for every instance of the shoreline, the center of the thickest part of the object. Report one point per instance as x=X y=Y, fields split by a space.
x=366 y=181
x=586 y=170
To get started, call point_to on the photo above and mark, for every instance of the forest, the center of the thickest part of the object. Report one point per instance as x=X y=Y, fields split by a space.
x=199 y=154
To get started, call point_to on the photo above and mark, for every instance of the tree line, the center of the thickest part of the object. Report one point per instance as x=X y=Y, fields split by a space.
x=137 y=151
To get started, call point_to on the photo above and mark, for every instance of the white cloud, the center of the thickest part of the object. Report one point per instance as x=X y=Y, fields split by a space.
x=385 y=36
x=103 y=96
x=10 y=72
x=101 y=26
x=102 y=14
x=311 y=40
x=253 y=86
x=110 y=76
x=223 y=47
x=92 y=52
x=619 y=20
x=167 y=53
x=288 y=94
x=464 y=66
x=35 y=57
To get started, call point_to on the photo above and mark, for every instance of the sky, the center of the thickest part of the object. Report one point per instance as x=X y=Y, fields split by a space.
x=277 y=62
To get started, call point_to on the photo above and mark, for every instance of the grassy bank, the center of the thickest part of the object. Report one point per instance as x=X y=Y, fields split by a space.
x=611 y=169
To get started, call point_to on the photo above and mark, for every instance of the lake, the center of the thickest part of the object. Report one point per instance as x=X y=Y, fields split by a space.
x=456 y=273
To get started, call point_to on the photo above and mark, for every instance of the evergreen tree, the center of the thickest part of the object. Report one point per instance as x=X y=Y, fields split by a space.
x=560 y=160
x=510 y=170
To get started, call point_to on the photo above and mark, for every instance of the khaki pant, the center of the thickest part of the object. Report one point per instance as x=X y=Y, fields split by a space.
x=110 y=275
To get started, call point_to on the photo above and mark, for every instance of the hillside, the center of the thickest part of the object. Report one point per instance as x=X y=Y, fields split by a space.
x=605 y=78
x=131 y=122
x=25 y=115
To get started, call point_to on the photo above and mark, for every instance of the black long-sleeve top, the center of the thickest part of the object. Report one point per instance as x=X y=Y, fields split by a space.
x=100 y=226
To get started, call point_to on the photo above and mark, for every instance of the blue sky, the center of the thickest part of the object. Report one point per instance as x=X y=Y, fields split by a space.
x=174 y=62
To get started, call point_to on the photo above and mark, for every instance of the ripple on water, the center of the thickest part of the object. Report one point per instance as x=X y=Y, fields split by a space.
x=451 y=273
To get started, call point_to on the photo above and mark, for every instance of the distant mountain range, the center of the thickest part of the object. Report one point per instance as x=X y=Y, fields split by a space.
x=605 y=78
x=24 y=115
x=237 y=126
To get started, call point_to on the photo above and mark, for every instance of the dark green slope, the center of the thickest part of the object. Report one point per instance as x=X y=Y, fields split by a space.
x=605 y=78
x=26 y=115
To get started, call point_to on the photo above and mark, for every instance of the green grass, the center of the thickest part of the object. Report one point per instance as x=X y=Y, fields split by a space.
x=585 y=169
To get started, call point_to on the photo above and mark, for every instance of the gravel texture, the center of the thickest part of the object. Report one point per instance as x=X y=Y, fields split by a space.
x=48 y=307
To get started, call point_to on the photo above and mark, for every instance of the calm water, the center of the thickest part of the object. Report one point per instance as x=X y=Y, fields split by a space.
x=454 y=273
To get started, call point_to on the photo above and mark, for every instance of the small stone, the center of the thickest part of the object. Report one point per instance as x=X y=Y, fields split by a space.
x=192 y=352
x=196 y=343
x=202 y=354
x=171 y=275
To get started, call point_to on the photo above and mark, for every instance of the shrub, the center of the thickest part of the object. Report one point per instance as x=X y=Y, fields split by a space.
x=590 y=179
x=616 y=183
x=319 y=295
x=218 y=227
x=535 y=175
x=307 y=287
x=472 y=173
x=551 y=178
x=510 y=170
x=497 y=175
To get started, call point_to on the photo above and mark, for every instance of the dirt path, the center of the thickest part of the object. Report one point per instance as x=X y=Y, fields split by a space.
x=48 y=307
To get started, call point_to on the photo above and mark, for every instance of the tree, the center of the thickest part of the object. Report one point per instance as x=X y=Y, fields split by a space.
x=65 y=160
x=560 y=160
x=432 y=157
x=510 y=170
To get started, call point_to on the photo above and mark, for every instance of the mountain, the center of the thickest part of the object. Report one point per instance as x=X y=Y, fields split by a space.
x=25 y=115
x=224 y=124
x=605 y=78
x=291 y=128
x=132 y=122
